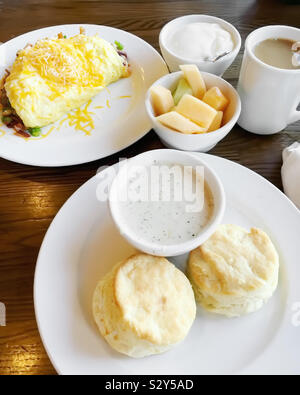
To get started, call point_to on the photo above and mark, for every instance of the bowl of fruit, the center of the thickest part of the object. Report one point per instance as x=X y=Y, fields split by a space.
x=192 y=110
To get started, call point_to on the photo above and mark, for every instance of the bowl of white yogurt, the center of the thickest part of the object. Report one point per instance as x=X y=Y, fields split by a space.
x=207 y=41
x=166 y=202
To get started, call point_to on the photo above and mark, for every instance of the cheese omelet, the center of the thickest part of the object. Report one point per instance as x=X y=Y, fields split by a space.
x=58 y=75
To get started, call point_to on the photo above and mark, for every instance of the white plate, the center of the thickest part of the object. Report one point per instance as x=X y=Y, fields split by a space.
x=82 y=244
x=121 y=121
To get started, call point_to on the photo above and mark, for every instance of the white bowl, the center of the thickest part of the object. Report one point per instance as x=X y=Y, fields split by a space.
x=174 y=61
x=195 y=142
x=119 y=187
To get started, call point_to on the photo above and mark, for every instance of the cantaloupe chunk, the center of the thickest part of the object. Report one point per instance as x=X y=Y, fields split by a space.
x=178 y=122
x=215 y=98
x=216 y=123
x=195 y=79
x=196 y=110
x=162 y=99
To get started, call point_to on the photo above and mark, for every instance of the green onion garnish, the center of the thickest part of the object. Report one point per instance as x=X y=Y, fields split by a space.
x=35 y=132
x=6 y=120
x=119 y=45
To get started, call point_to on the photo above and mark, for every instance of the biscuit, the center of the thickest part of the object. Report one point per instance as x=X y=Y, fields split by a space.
x=144 y=306
x=235 y=271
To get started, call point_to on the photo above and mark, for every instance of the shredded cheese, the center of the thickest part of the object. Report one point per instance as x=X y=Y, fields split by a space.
x=81 y=119
x=61 y=61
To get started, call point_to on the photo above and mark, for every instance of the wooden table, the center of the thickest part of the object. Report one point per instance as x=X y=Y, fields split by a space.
x=30 y=196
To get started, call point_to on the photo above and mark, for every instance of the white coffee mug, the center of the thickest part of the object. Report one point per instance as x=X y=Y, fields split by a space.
x=269 y=95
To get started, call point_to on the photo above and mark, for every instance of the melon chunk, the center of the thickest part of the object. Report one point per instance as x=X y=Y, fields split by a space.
x=162 y=99
x=196 y=110
x=215 y=98
x=217 y=121
x=178 y=122
x=194 y=78
x=182 y=88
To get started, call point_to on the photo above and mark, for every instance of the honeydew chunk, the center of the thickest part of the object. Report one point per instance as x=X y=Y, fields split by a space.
x=215 y=98
x=162 y=99
x=196 y=110
x=178 y=122
x=216 y=123
x=195 y=79
x=183 y=88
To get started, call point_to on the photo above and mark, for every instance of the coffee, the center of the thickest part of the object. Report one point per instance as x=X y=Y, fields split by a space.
x=276 y=52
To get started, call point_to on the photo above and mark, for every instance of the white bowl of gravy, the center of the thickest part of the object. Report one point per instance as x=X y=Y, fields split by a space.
x=166 y=202
x=179 y=36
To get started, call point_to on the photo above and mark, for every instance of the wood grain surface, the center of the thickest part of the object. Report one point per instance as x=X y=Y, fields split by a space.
x=30 y=196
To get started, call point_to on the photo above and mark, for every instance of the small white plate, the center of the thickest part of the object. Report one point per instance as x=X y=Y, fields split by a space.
x=118 y=112
x=81 y=246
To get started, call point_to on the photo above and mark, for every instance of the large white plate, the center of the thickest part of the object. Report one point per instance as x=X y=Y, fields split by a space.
x=121 y=121
x=82 y=244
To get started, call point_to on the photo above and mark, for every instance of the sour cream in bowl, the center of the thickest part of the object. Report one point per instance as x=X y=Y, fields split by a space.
x=207 y=41
x=166 y=202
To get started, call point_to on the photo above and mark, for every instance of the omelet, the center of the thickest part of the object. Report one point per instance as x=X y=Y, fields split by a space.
x=58 y=75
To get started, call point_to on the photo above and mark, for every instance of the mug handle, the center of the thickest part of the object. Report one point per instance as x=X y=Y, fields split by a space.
x=295 y=116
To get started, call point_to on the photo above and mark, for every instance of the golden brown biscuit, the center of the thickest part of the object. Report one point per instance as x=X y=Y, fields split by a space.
x=234 y=272
x=144 y=306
